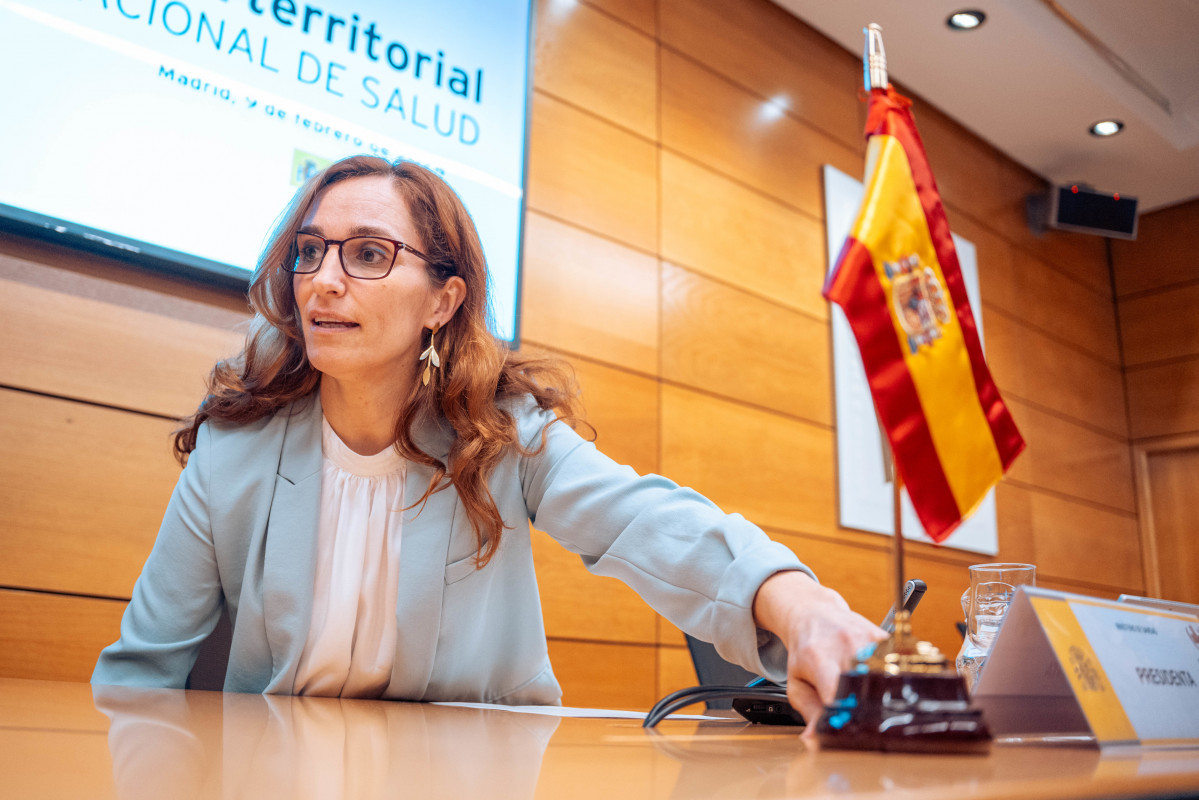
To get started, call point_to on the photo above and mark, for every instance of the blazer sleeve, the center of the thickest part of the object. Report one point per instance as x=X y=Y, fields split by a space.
x=177 y=599
x=697 y=566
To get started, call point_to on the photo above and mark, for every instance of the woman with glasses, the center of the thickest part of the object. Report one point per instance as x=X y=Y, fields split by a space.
x=360 y=480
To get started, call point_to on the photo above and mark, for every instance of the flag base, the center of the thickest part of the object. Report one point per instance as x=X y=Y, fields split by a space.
x=903 y=698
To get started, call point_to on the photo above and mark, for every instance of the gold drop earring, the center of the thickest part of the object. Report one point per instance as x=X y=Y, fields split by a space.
x=430 y=356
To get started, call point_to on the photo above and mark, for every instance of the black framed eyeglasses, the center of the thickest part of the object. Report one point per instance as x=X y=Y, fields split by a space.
x=367 y=258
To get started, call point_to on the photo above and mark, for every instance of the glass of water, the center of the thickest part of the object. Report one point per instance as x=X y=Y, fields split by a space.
x=992 y=587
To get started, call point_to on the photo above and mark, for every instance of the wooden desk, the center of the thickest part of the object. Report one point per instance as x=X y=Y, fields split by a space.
x=58 y=740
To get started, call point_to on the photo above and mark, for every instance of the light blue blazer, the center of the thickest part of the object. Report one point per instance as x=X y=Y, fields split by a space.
x=241 y=530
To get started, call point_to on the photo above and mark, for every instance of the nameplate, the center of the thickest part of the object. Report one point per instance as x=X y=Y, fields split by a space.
x=1065 y=663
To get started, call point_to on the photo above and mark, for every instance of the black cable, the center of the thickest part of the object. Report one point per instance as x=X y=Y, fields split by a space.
x=697 y=694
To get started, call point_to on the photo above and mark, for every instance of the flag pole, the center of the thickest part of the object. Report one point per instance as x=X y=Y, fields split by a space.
x=902 y=694
x=898 y=616
x=874 y=59
x=874 y=76
x=897 y=489
x=902 y=643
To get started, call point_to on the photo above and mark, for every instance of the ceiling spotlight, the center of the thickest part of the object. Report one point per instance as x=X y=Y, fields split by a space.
x=965 y=20
x=1107 y=127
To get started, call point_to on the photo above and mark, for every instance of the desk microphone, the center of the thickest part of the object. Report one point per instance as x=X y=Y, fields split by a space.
x=913 y=590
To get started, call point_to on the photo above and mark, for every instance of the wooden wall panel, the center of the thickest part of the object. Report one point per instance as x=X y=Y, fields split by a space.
x=624 y=410
x=1008 y=216
x=741 y=236
x=676 y=671
x=1160 y=326
x=1085 y=544
x=641 y=14
x=777 y=471
x=727 y=342
x=597 y=63
x=961 y=173
x=1157 y=283
x=965 y=167
x=1081 y=257
x=724 y=127
x=109 y=280
x=54 y=637
x=1013 y=518
x=1164 y=251
x=82 y=492
x=579 y=605
x=1032 y=366
x=569 y=149
x=996 y=256
x=1162 y=399
x=1003 y=340
x=597 y=675
x=769 y=52
x=980 y=186
x=1067 y=458
x=1172 y=480
x=1032 y=291
x=858 y=571
x=669 y=635
x=90 y=349
x=1061 y=307
x=586 y=294
x=1087 y=589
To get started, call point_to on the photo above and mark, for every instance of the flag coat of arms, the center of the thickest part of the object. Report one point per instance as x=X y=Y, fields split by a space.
x=900 y=285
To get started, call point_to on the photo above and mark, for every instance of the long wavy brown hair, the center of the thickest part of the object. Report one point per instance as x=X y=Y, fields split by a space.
x=478 y=373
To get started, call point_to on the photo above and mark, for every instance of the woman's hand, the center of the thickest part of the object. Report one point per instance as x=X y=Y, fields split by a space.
x=821 y=633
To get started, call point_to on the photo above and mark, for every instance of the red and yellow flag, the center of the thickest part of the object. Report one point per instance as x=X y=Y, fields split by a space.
x=899 y=283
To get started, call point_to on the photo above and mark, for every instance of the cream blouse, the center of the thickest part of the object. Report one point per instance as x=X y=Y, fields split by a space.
x=351 y=641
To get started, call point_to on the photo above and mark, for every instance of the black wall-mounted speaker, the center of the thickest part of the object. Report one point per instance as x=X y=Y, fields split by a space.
x=1078 y=208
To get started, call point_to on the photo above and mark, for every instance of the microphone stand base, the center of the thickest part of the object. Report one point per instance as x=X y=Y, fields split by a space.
x=910 y=713
x=903 y=697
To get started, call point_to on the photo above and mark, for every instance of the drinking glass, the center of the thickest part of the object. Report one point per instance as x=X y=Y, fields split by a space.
x=985 y=603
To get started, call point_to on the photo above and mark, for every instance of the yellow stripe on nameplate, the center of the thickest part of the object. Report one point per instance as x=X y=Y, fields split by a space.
x=1094 y=692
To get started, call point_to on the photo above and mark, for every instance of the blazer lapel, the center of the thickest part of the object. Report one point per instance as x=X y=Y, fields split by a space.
x=423 y=553
x=290 y=553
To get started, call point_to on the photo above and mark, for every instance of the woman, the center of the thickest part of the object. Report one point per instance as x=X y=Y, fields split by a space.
x=359 y=482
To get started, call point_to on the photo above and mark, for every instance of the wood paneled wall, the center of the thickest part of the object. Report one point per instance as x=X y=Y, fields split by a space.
x=1157 y=293
x=95 y=360
x=716 y=214
x=1157 y=289
x=674 y=255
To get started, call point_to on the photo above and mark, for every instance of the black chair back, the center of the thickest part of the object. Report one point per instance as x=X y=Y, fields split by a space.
x=713 y=670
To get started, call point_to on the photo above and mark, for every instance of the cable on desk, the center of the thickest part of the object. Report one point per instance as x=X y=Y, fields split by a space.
x=698 y=694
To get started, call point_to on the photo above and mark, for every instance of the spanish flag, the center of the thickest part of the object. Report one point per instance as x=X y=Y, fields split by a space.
x=898 y=281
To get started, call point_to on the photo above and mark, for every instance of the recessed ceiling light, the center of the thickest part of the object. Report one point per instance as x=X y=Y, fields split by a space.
x=1107 y=127
x=966 y=19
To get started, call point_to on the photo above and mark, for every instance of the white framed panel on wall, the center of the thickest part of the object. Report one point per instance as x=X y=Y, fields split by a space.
x=864 y=493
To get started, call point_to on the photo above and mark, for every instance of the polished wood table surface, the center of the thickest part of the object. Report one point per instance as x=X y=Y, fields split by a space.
x=72 y=741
